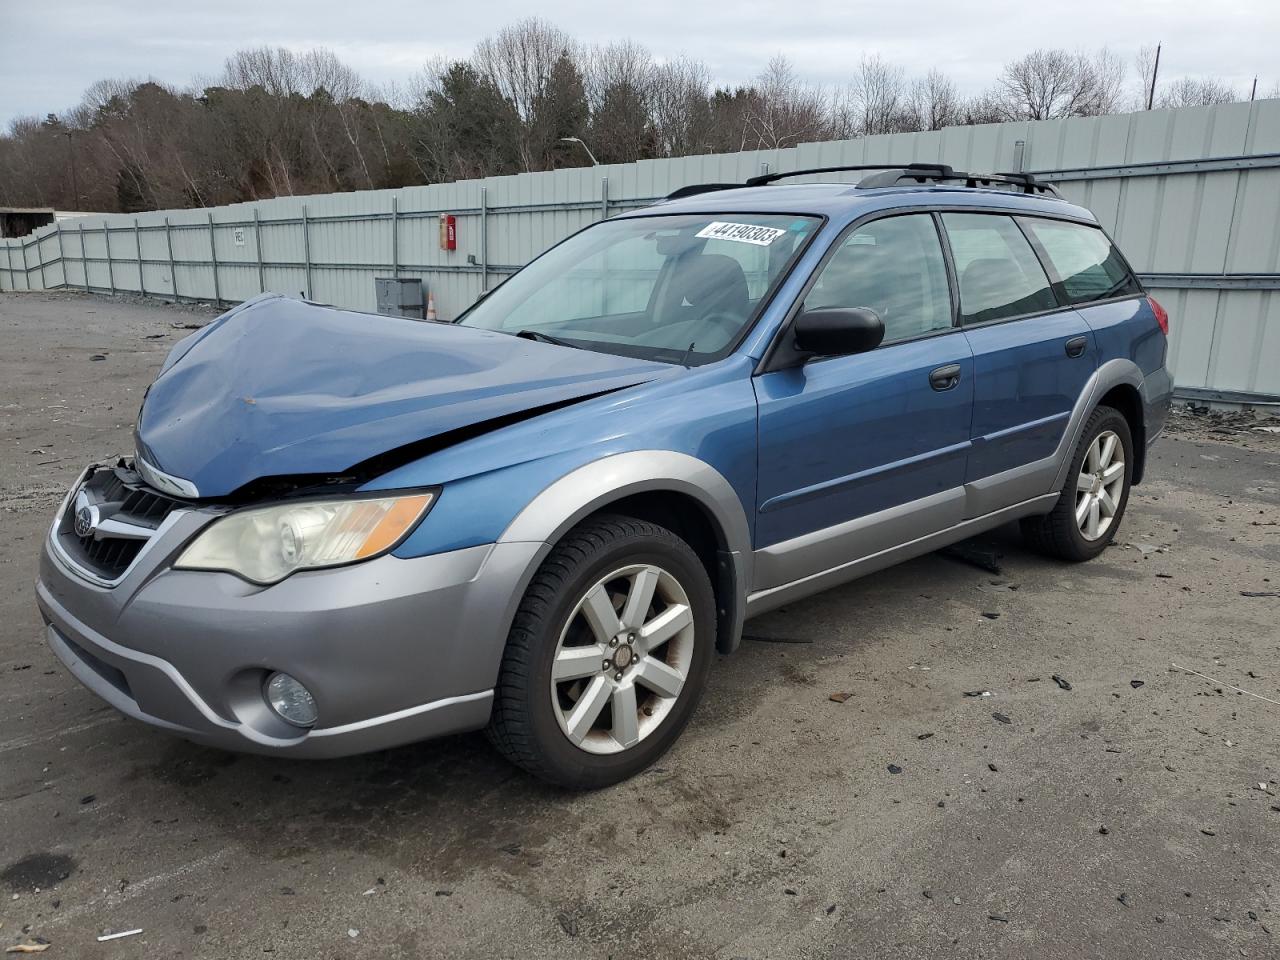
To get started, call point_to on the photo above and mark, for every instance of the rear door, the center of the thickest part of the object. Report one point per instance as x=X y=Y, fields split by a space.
x=846 y=438
x=1090 y=274
x=1032 y=356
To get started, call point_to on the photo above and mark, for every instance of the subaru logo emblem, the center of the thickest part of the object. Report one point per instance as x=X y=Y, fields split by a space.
x=85 y=521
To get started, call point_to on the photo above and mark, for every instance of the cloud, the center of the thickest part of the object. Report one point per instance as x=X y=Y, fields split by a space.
x=51 y=51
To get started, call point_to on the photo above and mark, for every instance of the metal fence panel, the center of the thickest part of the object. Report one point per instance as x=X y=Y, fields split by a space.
x=1192 y=195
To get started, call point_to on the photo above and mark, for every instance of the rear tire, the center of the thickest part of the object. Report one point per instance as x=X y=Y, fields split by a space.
x=607 y=656
x=1094 y=494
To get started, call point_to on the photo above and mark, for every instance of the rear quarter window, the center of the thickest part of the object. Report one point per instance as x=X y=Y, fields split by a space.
x=1086 y=264
x=999 y=274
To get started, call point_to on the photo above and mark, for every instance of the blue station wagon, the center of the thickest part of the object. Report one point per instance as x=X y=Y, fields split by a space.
x=340 y=532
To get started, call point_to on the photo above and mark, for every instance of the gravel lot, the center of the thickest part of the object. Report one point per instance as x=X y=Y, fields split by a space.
x=1135 y=815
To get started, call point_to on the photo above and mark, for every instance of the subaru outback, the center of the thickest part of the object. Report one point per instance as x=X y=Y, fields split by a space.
x=340 y=532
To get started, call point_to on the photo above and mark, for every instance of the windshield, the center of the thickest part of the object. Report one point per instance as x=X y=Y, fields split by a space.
x=678 y=289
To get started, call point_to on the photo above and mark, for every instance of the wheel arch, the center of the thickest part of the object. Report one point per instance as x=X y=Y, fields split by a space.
x=1118 y=378
x=1126 y=398
x=673 y=489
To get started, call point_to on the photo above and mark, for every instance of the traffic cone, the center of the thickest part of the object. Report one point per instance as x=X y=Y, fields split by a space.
x=431 y=306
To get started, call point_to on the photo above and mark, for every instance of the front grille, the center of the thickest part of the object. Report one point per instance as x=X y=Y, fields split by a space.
x=132 y=512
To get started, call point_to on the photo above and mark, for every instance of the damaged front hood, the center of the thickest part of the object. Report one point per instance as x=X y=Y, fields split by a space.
x=282 y=388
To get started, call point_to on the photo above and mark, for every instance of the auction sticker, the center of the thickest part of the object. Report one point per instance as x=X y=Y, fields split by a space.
x=740 y=233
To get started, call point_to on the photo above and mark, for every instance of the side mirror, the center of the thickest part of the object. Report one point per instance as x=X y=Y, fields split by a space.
x=838 y=331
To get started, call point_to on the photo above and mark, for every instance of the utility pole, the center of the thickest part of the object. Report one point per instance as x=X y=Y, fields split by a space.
x=75 y=186
x=1254 y=92
x=1155 y=69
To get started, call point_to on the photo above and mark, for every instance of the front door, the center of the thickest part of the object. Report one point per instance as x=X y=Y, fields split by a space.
x=845 y=440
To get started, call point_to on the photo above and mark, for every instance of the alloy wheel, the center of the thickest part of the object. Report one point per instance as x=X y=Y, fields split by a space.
x=622 y=658
x=1100 y=485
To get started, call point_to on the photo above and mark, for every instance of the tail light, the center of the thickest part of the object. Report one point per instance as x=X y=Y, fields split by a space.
x=1162 y=315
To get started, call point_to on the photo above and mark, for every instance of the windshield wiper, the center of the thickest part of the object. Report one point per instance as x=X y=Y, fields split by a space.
x=546 y=338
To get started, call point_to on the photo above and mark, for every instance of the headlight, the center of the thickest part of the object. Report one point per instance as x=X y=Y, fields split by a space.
x=267 y=544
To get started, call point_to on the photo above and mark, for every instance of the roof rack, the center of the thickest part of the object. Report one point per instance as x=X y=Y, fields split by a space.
x=693 y=189
x=887 y=176
x=913 y=172
x=767 y=178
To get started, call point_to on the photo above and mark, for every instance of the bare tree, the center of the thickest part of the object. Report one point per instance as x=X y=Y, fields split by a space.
x=781 y=111
x=935 y=102
x=519 y=61
x=619 y=81
x=1050 y=84
x=1108 y=76
x=680 y=107
x=878 y=98
x=277 y=122
x=1197 y=92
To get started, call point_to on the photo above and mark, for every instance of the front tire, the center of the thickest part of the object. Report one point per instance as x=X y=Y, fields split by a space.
x=1094 y=495
x=607 y=656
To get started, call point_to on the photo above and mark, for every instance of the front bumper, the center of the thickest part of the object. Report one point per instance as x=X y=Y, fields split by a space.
x=393 y=650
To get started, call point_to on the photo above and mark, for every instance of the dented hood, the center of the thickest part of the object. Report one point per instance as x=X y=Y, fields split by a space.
x=280 y=388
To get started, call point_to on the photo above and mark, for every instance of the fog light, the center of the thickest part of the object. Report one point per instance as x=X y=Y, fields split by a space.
x=291 y=700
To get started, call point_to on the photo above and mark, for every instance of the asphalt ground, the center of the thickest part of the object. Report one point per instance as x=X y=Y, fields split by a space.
x=1135 y=815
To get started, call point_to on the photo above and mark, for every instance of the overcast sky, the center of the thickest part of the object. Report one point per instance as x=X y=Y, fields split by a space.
x=50 y=50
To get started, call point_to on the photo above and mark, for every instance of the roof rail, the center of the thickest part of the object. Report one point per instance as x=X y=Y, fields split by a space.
x=920 y=174
x=886 y=176
x=693 y=189
x=767 y=178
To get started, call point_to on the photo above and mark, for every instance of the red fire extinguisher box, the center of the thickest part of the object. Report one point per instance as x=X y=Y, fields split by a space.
x=448 y=232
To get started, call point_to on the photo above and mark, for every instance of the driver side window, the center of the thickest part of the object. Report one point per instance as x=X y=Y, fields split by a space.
x=895 y=267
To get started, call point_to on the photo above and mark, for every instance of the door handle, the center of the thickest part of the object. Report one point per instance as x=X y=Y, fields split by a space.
x=944 y=378
x=1076 y=346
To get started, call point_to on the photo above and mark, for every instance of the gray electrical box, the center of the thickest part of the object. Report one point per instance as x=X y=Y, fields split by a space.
x=399 y=297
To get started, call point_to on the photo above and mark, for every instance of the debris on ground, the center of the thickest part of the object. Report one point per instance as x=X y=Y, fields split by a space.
x=1205 y=676
x=568 y=923
x=119 y=936
x=840 y=696
x=975 y=554
x=977 y=693
x=923 y=736
x=1194 y=420
x=991 y=615
x=33 y=945
x=894 y=768
x=1062 y=682
x=1260 y=593
x=1001 y=718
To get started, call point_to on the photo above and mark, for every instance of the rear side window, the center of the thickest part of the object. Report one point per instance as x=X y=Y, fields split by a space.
x=999 y=274
x=1087 y=264
x=895 y=267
